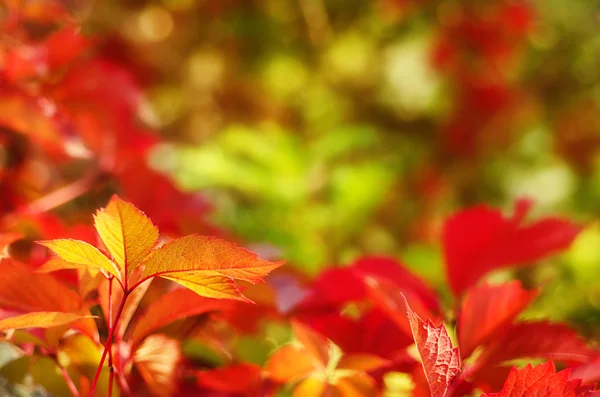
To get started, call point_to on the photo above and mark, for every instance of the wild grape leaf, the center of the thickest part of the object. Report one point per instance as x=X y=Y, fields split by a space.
x=39 y=320
x=209 y=286
x=390 y=269
x=206 y=256
x=170 y=307
x=157 y=359
x=289 y=363
x=441 y=361
x=40 y=292
x=539 y=339
x=480 y=239
x=487 y=310
x=587 y=372
x=542 y=381
x=391 y=300
x=247 y=377
x=127 y=233
x=321 y=367
x=83 y=254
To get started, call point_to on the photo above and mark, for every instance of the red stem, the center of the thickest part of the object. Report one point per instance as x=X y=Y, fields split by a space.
x=69 y=381
x=107 y=346
x=111 y=374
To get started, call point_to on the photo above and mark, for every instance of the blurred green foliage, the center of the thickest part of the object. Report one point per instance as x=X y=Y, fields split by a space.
x=327 y=129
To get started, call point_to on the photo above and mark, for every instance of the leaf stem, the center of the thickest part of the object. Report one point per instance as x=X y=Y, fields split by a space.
x=111 y=374
x=69 y=381
x=107 y=346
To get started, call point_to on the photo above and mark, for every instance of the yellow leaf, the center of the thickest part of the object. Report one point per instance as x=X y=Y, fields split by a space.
x=212 y=256
x=56 y=264
x=210 y=286
x=39 y=320
x=82 y=253
x=127 y=233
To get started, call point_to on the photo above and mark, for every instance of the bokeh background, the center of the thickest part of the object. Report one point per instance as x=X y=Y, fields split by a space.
x=325 y=129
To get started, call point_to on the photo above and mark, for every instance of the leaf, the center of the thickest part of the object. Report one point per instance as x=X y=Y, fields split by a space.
x=479 y=240
x=313 y=386
x=441 y=362
x=40 y=293
x=539 y=339
x=357 y=385
x=289 y=363
x=173 y=306
x=156 y=359
x=55 y=264
x=362 y=362
x=82 y=253
x=247 y=379
x=207 y=254
x=316 y=345
x=209 y=286
x=391 y=300
x=487 y=310
x=541 y=381
x=39 y=320
x=127 y=233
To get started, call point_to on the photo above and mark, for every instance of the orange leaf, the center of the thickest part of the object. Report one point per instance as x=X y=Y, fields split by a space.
x=7 y=239
x=210 y=286
x=171 y=307
x=209 y=255
x=127 y=233
x=55 y=264
x=358 y=385
x=362 y=362
x=289 y=363
x=39 y=320
x=441 y=362
x=82 y=253
x=312 y=387
x=25 y=291
x=315 y=344
x=156 y=359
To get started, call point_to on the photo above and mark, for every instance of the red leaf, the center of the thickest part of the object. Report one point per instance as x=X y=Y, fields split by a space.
x=175 y=305
x=541 y=381
x=441 y=361
x=538 y=340
x=238 y=378
x=480 y=239
x=488 y=309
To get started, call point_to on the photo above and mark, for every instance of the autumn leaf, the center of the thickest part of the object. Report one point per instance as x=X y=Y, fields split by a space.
x=320 y=368
x=127 y=233
x=81 y=253
x=209 y=286
x=487 y=310
x=194 y=256
x=173 y=306
x=542 y=381
x=247 y=379
x=40 y=292
x=156 y=359
x=539 y=339
x=480 y=239
x=7 y=239
x=39 y=320
x=441 y=361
